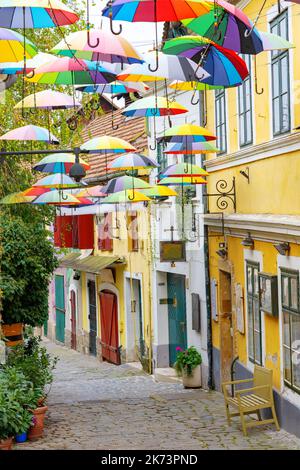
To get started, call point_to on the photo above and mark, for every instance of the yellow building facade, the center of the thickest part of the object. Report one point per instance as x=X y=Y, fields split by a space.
x=254 y=252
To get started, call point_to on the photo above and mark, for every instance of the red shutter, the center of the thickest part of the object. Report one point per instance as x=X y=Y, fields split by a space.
x=86 y=232
x=63 y=231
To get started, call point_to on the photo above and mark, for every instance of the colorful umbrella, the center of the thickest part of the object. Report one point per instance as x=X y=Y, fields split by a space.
x=178 y=85
x=183 y=169
x=12 y=46
x=48 y=99
x=158 y=191
x=16 y=198
x=170 y=67
x=67 y=71
x=187 y=133
x=107 y=144
x=182 y=181
x=109 y=48
x=273 y=42
x=124 y=183
x=224 y=66
x=126 y=196
x=227 y=26
x=132 y=161
x=57 y=180
x=37 y=191
x=114 y=87
x=193 y=148
x=93 y=191
x=59 y=163
x=57 y=198
x=35 y=14
x=30 y=132
x=12 y=68
x=154 y=106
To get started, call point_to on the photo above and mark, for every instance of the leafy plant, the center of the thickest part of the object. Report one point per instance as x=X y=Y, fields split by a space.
x=17 y=399
x=35 y=362
x=187 y=361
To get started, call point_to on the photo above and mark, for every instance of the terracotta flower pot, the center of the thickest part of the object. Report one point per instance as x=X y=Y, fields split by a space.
x=13 y=333
x=194 y=380
x=6 y=444
x=37 y=430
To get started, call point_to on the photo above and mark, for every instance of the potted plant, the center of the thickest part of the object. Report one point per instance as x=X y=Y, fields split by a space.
x=188 y=365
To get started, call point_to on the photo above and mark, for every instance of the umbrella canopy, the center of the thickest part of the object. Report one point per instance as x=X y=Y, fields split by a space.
x=273 y=42
x=31 y=133
x=224 y=66
x=107 y=144
x=128 y=195
x=59 y=163
x=57 y=198
x=192 y=86
x=158 y=191
x=169 y=66
x=110 y=48
x=12 y=68
x=12 y=46
x=132 y=161
x=227 y=26
x=114 y=87
x=155 y=11
x=193 y=148
x=183 y=169
x=182 y=181
x=16 y=198
x=38 y=14
x=124 y=183
x=68 y=71
x=187 y=133
x=48 y=99
x=35 y=191
x=154 y=106
x=93 y=191
x=58 y=180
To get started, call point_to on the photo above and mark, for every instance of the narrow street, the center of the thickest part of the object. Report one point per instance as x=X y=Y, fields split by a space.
x=95 y=406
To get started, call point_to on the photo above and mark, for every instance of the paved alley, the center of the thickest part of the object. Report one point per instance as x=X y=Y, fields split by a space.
x=95 y=405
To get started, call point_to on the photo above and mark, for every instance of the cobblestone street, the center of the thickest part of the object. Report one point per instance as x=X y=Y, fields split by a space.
x=95 y=405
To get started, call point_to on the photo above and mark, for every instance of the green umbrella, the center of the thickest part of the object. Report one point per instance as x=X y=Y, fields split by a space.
x=129 y=196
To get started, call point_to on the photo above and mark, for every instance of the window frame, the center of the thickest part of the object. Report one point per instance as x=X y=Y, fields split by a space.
x=242 y=97
x=254 y=297
x=220 y=102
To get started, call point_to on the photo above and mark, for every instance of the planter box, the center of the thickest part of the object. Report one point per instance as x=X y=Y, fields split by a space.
x=194 y=380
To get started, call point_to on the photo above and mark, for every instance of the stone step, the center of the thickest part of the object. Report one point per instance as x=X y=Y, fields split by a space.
x=166 y=374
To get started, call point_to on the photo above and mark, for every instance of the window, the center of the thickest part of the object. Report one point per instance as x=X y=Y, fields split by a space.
x=245 y=107
x=220 y=110
x=291 y=328
x=254 y=315
x=132 y=228
x=280 y=78
x=105 y=241
x=162 y=158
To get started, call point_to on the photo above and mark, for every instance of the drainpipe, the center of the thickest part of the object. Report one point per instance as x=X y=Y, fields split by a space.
x=210 y=382
x=232 y=373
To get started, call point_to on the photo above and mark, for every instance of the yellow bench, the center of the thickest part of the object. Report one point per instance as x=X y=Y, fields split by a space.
x=252 y=400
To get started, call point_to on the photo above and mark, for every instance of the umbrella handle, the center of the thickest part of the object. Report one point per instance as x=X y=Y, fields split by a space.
x=116 y=33
x=92 y=46
x=72 y=124
x=193 y=102
x=153 y=148
x=115 y=127
x=131 y=198
x=64 y=197
x=156 y=64
x=30 y=74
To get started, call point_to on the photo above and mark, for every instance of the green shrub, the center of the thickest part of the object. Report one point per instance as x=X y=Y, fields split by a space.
x=187 y=361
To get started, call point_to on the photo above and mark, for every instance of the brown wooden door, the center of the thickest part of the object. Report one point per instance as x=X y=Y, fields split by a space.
x=226 y=339
x=109 y=327
x=73 y=319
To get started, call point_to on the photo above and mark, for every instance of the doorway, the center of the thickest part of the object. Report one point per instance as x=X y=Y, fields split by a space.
x=226 y=330
x=176 y=314
x=73 y=319
x=109 y=327
x=92 y=317
x=60 y=312
x=135 y=347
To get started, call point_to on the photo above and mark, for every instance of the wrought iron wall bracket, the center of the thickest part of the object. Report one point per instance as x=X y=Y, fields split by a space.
x=222 y=195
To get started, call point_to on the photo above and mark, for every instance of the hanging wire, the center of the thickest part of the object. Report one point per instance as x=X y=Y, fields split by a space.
x=168 y=103
x=154 y=114
x=116 y=33
x=248 y=32
x=88 y=27
x=25 y=63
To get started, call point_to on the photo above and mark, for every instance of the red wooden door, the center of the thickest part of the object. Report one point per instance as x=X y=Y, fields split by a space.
x=73 y=319
x=109 y=327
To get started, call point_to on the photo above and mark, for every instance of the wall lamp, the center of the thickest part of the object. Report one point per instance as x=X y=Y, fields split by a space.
x=222 y=253
x=248 y=241
x=283 y=248
x=76 y=275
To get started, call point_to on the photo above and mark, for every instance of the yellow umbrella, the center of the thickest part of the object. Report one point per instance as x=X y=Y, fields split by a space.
x=16 y=198
x=127 y=196
x=192 y=86
x=158 y=191
x=182 y=181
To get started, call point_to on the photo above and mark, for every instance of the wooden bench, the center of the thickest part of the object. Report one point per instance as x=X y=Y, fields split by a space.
x=252 y=400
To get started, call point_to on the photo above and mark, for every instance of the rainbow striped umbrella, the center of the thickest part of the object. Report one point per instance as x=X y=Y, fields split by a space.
x=93 y=191
x=183 y=170
x=182 y=181
x=59 y=163
x=109 y=47
x=12 y=68
x=126 y=196
x=48 y=99
x=57 y=180
x=114 y=87
x=158 y=191
x=132 y=161
x=178 y=85
x=154 y=106
x=107 y=144
x=57 y=198
x=187 y=133
x=70 y=71
x=12 y=46
x=35 y=14
x=123 y=183
x=193 y=148
x=37 y=191
x=31 y=133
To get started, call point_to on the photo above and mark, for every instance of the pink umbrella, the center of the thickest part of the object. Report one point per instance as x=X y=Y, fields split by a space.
x=48 y=99
x=30 y=133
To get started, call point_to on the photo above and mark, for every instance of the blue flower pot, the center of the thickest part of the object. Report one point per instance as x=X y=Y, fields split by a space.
x=21 y=437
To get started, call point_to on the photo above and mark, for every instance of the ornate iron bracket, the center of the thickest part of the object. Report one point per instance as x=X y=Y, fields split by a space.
x=222 y=195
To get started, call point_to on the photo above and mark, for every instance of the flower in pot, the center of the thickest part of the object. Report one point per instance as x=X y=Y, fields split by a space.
x=188 y=365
